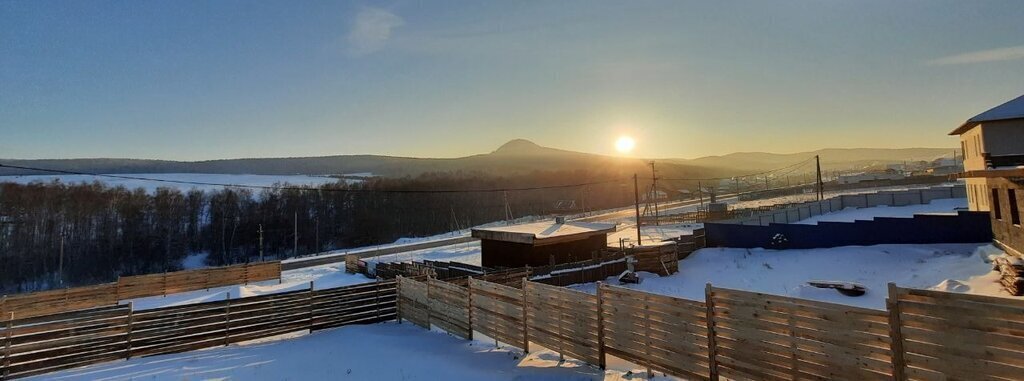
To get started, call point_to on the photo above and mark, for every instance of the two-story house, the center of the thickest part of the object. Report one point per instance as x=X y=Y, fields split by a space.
x=993 y=146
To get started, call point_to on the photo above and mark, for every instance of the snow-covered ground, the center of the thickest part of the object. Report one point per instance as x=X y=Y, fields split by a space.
x=468 y=253
x=387 y=351
x=326 y=276
x=940 y=206
x=151 y=186
x=651 y=234
x=946 y=267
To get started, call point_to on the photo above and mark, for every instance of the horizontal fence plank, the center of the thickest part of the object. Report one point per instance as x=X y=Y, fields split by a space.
x=959 y=336
x=660 y=332
x=563 y=320
x=769 y=336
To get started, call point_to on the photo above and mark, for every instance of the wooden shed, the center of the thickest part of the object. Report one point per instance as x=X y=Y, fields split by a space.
x=541 y=243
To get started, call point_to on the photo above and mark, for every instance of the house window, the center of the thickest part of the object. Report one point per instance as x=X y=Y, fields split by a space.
x=995 y=204
x=1014 y=213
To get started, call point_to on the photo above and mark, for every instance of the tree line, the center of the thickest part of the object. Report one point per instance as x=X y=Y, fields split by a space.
x=63 y=235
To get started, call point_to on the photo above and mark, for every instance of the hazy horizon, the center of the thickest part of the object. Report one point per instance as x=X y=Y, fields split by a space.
x=485 y=151
x=215 y=80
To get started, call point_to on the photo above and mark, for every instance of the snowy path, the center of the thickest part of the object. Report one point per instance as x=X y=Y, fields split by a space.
x=387 y=351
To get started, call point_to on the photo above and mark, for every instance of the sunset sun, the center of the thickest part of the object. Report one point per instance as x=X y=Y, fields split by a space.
x=625 y=144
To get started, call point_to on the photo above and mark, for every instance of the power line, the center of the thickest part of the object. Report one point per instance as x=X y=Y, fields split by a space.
x=271 y=187
x=740 y=176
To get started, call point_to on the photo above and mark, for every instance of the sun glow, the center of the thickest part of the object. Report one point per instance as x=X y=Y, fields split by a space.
x=625 y=144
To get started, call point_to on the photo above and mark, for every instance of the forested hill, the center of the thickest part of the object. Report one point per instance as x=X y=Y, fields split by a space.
x=516 y=156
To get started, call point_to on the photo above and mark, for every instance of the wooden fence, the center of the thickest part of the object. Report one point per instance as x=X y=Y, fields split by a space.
x=660 y=332
x=767 y=337
x=49 y=343
x=944 y=336
x=564 y=321
x=413 y=302
x=449 y=307
x=741 y=335
x=498 y=312
x=129 y=287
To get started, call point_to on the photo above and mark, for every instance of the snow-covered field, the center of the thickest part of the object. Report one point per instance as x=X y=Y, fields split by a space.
x=387 y=351
x=946 y=267
x=940 y=206
x=151 y=186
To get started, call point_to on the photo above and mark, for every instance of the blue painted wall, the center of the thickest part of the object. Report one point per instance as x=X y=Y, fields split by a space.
x=965 y=227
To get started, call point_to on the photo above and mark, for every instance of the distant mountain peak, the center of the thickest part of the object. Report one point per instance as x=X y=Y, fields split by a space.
x=521 y=147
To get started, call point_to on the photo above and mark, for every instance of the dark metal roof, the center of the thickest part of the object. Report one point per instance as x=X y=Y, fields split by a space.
x=1014 y=109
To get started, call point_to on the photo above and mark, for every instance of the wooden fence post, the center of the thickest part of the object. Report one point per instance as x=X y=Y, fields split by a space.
x=227 y=319
x=469 y=305
x=896 y=334
x=376 y=300
x=398 y=298
x=7 y=347
x=310 y=306
x=526 y=326
x=131 y=320
x=600 y=326
x=709 y=302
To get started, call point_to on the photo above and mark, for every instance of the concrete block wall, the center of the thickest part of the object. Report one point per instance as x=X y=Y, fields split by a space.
x=810 y=209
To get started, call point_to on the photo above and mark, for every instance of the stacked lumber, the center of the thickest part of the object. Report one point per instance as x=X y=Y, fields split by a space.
x=1012 y=270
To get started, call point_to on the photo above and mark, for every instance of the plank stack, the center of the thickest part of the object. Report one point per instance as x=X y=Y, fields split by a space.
x=1012 y=270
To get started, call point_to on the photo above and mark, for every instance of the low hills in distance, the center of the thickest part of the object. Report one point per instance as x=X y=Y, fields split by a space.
x=518 y=156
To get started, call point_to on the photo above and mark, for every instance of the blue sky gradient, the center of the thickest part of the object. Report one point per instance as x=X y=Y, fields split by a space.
x=196 y=80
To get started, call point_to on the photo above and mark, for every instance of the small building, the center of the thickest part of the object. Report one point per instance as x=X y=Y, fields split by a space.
x=991 y=140
x=541 y=243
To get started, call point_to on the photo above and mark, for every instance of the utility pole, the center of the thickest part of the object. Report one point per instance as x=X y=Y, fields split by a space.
x=766 y=183
x=583 y=199
x=700 y=194
x=636 y=206
x=295 y=234
x=654 y=192
x=821 y=189
x=261 y=242
x=736 y=184
x=508 y=209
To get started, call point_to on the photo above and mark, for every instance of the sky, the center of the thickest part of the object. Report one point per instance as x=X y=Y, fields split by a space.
x=194 y=80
